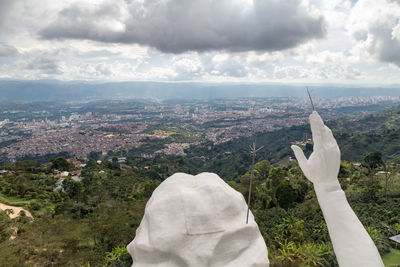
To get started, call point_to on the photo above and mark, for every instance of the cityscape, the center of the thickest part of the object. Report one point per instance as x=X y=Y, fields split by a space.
x=81 y=128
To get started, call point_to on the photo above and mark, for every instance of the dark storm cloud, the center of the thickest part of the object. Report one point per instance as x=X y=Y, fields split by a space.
x=85 y=22
x=176 y=26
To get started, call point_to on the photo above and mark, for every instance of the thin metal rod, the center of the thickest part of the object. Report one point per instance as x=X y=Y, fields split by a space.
x=253 y=152
x=309 y=95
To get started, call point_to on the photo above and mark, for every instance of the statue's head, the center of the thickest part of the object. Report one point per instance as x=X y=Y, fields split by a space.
x=197 y=221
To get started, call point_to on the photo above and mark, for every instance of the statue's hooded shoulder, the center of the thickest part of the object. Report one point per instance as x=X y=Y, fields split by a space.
x=197 y=221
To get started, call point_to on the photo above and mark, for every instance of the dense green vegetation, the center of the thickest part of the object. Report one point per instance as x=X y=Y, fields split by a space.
x=74 y=227
x=89 y=223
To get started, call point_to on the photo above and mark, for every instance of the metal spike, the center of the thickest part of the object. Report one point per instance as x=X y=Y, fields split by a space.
x=253 y=152
x=309 y=95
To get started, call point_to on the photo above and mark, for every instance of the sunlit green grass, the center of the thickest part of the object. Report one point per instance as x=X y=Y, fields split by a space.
x=13 y=201
x=392 y=259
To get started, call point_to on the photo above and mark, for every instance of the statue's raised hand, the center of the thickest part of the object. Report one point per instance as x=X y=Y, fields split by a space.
x=351 y=242
x=323 y=165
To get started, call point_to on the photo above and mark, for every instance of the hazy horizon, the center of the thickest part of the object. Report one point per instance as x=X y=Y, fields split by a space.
x=53 y=90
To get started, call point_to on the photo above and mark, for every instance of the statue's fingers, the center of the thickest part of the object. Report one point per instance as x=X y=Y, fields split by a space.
x=328 y=137
x=316 y=120
x=317 y=129
x=301 y=158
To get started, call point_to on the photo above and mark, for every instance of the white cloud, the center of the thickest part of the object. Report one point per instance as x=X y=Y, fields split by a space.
x=374 y=26
x=360 y=44
x=7 y=50
x=326 y=57
x=396 y=32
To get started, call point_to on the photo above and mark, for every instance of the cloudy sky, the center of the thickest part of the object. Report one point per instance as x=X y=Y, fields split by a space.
x=291 y=41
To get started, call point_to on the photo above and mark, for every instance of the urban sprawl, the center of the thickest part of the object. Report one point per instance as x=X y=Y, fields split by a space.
x=81 y=128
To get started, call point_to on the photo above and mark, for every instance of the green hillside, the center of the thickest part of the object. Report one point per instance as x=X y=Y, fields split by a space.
x=356 y=137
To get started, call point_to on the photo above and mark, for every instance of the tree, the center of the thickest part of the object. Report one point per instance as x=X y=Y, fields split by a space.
x=300 y=184
x=261 y=169
x=373 y=160
x=344 y=171
x=275 y=178
x=5 y=223
x=27 y=165
x=264 y=196
x=149 y=187
x=95 y=155
x=286 y=195
x=389 y=168
x=61 y=164
x=245 y=181
x=74 y=189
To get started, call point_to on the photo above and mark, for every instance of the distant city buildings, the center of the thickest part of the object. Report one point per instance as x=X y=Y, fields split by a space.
x=114 y=125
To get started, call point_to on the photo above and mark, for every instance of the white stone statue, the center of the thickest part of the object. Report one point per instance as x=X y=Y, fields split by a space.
x=351 y=242
x=201 y=221
x=197 y=221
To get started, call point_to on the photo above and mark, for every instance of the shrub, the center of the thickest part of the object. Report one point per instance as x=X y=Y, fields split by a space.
x=119 y=256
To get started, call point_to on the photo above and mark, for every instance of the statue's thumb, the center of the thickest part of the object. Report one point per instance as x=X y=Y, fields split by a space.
x=298 y=152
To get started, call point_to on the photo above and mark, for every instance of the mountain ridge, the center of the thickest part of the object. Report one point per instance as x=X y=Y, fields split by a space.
x=53 y=90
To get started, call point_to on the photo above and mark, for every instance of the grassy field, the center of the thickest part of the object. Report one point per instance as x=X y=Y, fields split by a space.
x=13 y=201
x=392 y=259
